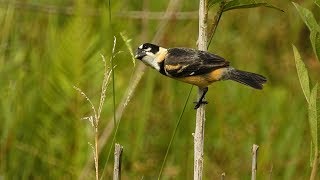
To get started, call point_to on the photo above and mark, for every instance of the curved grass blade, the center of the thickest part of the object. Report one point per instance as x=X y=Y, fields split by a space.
x=241 y=4
x=174 y=133
x=302 y=73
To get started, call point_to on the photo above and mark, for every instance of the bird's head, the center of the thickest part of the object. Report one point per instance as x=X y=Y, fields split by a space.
x=146 y=49
x=151 y=54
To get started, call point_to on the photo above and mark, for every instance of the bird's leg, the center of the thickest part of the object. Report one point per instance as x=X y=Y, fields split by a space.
x=200 y=101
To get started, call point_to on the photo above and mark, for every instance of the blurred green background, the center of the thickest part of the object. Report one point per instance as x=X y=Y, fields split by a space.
x=47 y=47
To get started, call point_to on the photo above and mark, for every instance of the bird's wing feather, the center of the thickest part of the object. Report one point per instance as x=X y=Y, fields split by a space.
x=184 y=62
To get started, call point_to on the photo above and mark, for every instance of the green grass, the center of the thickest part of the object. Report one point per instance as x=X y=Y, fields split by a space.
x=43 y=55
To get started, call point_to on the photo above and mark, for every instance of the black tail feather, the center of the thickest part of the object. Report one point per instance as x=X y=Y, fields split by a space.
x=247 y=78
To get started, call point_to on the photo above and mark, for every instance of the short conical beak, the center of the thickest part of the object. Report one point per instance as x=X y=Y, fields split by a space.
x=140 y=54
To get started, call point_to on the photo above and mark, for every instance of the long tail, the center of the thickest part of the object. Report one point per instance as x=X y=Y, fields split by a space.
x=247 y=78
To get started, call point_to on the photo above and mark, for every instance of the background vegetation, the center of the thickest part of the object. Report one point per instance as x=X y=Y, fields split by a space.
x=47 y=47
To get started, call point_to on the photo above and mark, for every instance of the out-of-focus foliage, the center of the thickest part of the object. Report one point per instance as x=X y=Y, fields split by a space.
x=312 y=96
x=47 y=47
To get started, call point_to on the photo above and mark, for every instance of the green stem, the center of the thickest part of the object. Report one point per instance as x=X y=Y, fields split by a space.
x=216 y=21
x=314 y=171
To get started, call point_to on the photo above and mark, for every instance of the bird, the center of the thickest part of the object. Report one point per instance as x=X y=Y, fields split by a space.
x=196 y=67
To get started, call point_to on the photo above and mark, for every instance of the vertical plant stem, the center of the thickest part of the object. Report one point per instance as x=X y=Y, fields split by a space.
x=200 y=118
x=109 y=11
x=314 y=171
x=96 y=163
x=112 y=73
x=223 y=175
x=113 y=93
x=270 y=172
x=118 y=149
x=112 y=64
x=254 y=162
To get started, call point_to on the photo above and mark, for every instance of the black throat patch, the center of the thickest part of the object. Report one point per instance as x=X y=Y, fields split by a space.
x=162 y=71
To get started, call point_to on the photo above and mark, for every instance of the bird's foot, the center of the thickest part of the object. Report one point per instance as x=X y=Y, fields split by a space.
x=198 y=103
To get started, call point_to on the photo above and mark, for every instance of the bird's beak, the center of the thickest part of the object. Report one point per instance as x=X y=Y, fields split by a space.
x=140 y=54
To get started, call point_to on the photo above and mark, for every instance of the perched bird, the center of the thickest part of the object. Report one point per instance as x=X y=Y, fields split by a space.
x=195 y=67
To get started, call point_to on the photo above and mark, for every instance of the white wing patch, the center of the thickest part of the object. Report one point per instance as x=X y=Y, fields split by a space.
x=183 y=67
x=141 y=46
x=191 y=74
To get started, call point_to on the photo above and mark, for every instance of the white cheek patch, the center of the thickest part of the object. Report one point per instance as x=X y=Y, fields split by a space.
x=150 y=61
x=150 y=54
x=149 y=49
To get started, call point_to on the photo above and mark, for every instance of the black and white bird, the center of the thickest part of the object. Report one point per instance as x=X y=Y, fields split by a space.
x=195 y=67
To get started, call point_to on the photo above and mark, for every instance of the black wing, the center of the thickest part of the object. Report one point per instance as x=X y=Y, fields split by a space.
x=184 y=62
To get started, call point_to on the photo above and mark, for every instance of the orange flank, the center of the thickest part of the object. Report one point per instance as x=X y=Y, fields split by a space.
x=216 y=74
x=204 y=80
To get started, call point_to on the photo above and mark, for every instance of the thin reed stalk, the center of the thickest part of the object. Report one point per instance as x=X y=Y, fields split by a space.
x=118 y=149
x=201 y=114
x=254 y=162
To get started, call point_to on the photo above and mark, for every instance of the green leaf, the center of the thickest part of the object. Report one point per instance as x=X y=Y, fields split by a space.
x=315 y=42
x=240 y=4
x=313 y=118
x=313 y=26
x=302 y=73
x=316 y=45
x=307 y=18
